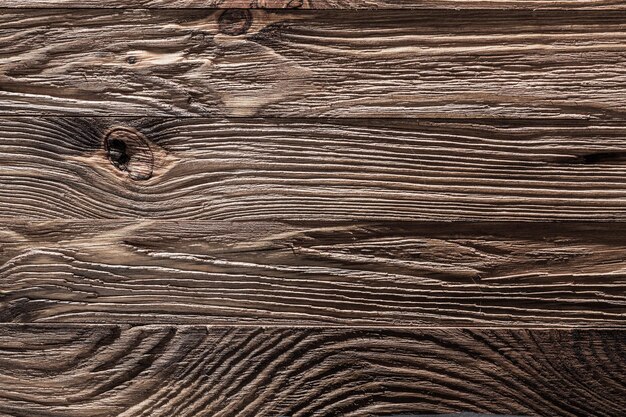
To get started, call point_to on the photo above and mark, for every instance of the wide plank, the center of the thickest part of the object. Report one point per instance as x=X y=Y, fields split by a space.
x=448 y=64
x=359 y=170
x=98 y=371
x=432 y=274
x=323 y=4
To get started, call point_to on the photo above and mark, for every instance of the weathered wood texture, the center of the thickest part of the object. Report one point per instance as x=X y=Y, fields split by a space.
x=300 y=230
x=459 y=64
x=261 y=372
x=268 y=273
x=323 y=4
x=298 y=170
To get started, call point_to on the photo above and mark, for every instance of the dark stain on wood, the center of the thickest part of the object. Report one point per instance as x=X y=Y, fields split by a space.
x=604 y=158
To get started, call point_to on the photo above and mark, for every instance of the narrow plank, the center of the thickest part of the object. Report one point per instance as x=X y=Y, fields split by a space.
x=449 y=64
x=93 y=371
x=270 y=273
x=290 y=170
x=323 y=4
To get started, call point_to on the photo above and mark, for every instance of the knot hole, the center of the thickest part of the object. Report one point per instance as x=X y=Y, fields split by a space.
x=129 y=151
x=235 y=22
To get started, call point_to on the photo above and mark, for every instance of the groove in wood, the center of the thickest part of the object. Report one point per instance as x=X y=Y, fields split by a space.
x=97 y=371
x=269 y=273
x=449 y=64
x=251 y=169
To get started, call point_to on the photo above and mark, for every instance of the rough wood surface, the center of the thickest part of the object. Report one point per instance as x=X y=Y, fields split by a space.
x=322 y=4
x=388 y=212
x=87 y=371
x=310 y=170
x=460 y=64
x=269 y=273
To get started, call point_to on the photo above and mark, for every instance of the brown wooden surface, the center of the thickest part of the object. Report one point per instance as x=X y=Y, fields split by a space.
x=258 y=372
x=250 y=169
x=212 y=210
x=269 y=273
x=324 y=4
x=448 y=64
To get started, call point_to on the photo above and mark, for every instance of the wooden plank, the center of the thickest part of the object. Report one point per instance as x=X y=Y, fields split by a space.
x=323 y=4
x=376 y=170
x=450 y=64
x=80 y=371
x=269 y=273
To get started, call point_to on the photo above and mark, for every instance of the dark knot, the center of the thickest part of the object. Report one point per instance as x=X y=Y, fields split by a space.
x=235 y=22
x=129 y=151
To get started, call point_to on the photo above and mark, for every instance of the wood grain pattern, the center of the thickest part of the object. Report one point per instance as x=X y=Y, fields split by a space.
x=253 y=169
x=267 y=372
x=450 y=64
x=323 y=4
x=254 y=212
x=269 y=273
